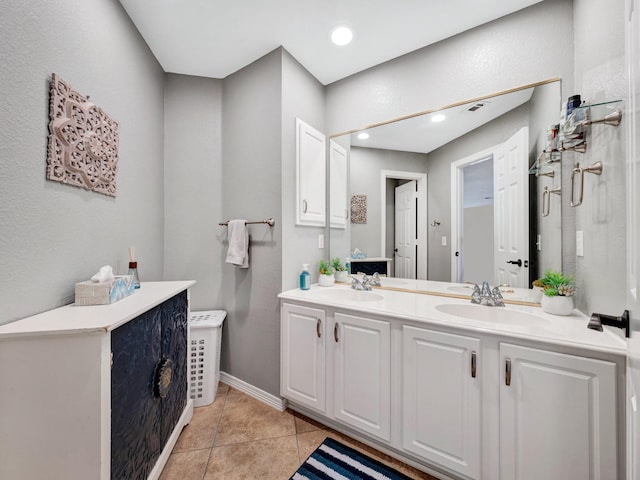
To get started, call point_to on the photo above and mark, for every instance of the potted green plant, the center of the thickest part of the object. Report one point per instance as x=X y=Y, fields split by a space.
x=326 y=278
x=340 y=272
x=558 y=291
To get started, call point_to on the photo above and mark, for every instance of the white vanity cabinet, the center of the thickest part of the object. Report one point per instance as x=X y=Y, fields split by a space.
x=361 y=350
x=302 y=356
x=441 y=398
x=436 y=392
x=345 y=359
x=557 y=416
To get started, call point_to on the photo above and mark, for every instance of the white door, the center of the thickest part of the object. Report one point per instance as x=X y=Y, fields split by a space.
x=362 y=377
x=405 y=230
x=633 y=224
x=311 y=171
x=441 y=399
x=511 y=211
x=557 y=416
x=302 y=356
x=338 y=185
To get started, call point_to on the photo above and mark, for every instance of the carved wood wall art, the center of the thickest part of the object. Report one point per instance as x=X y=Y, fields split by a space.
x=83 y=141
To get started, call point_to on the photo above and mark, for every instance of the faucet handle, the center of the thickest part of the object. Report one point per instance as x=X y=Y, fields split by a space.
x=475 y=296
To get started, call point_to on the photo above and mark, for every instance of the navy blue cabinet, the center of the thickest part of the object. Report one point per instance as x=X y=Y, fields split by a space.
x=148 y=386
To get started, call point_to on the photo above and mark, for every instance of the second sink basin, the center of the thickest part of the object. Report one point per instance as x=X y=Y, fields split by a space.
x=491 y=314
x=351 y=295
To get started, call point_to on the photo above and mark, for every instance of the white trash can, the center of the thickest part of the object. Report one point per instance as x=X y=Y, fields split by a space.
x=205 y=330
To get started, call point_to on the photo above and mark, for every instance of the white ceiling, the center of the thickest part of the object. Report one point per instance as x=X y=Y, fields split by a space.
x=214 y=38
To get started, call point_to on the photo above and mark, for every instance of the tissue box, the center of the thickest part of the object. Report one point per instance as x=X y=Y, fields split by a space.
x=94 y=293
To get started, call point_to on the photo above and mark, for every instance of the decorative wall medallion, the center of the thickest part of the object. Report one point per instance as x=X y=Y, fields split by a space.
x=358 y=209
x=83 y=141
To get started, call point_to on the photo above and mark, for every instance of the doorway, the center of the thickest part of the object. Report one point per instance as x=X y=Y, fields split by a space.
x=418 y=219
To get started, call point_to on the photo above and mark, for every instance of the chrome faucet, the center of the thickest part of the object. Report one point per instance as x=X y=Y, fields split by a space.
x=358 y=285
x=486 y=296
x=372 y=280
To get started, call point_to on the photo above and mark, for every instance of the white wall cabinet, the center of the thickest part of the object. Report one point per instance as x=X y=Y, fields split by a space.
x=557 y=416
x=311 y=175
x=338 y=174
x=303 y=354
x=362 y=378
x=441 y=398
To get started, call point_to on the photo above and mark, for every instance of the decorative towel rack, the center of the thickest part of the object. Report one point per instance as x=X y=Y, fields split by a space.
x=270 y=221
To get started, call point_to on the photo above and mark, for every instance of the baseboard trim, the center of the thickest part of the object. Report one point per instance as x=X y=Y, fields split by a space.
x=260 y=395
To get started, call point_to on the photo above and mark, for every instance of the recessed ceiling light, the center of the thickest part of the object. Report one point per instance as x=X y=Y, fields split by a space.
x=341 y=35
x=363 y=136
x=438 y=117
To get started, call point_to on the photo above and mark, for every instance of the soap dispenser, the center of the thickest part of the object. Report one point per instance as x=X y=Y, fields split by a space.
x=305 y=277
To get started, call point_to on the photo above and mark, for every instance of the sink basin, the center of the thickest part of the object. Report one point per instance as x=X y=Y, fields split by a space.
x=491 y=314
x=351 y=295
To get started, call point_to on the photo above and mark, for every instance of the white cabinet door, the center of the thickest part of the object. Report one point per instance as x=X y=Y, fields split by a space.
x=362 y=380
x=311 y=175
x=441 y=398
x=557 y=416
x=302 y=356
x=338 y=185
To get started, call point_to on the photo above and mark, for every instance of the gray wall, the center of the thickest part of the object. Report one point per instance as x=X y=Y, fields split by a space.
x=303 y=97
x=193 y=249
x=478 y=255
x=53 y=235
x=251 y=168
x=365 y=167
x=599 y=76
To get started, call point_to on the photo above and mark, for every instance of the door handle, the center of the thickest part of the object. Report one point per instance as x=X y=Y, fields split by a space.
x=473 y=364
x=304 y=206
x=507 y=372
x=335 y=332
x=515 y=262
x=318 y=325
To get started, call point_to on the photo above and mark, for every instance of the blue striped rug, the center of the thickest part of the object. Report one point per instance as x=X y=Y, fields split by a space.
x=335 y=461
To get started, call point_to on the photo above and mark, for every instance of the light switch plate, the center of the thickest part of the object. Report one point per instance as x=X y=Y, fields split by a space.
x=579 y=243
x=321 y=240
x=444 y=240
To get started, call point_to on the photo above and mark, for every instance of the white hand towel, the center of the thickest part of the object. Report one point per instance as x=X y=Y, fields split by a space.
x=238 y=253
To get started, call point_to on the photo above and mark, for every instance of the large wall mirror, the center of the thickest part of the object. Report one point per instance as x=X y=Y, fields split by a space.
x=452 y=194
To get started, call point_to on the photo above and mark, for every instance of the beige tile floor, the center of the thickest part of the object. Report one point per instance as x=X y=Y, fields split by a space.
x=238 y=438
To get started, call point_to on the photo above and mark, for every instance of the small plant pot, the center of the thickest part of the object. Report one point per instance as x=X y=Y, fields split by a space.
x=557 y=305
x=536 y=294
x=341 y=276
x=326 y=280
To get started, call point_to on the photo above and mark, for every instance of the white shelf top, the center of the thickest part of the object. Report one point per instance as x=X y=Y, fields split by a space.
x=85 y=319
x=371 y=259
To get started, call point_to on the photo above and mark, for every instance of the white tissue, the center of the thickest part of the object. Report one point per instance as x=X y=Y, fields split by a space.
x=104 y=275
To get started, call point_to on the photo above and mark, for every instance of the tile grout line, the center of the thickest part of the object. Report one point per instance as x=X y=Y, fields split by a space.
x=215 y=434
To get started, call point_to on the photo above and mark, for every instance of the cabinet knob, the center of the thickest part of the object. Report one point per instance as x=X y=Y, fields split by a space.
x=335 y=332
x=318 y=328
x=304 y=206
x=162 y=382
x=474 y=363
x=507 y=372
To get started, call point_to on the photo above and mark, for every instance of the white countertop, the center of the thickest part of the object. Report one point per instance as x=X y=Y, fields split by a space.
x=84 y=319
x=568 y=331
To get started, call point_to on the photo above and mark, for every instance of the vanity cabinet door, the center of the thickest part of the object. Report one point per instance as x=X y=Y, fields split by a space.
x=557 y=416
x=302 y=351
x=441 y=391
x=362 y=365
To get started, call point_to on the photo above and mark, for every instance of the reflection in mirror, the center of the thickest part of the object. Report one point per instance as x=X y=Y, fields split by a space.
x=453 y=194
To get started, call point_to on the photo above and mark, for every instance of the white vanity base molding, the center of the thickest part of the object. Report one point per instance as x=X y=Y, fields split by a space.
x=71 y=404
x=461 y=399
